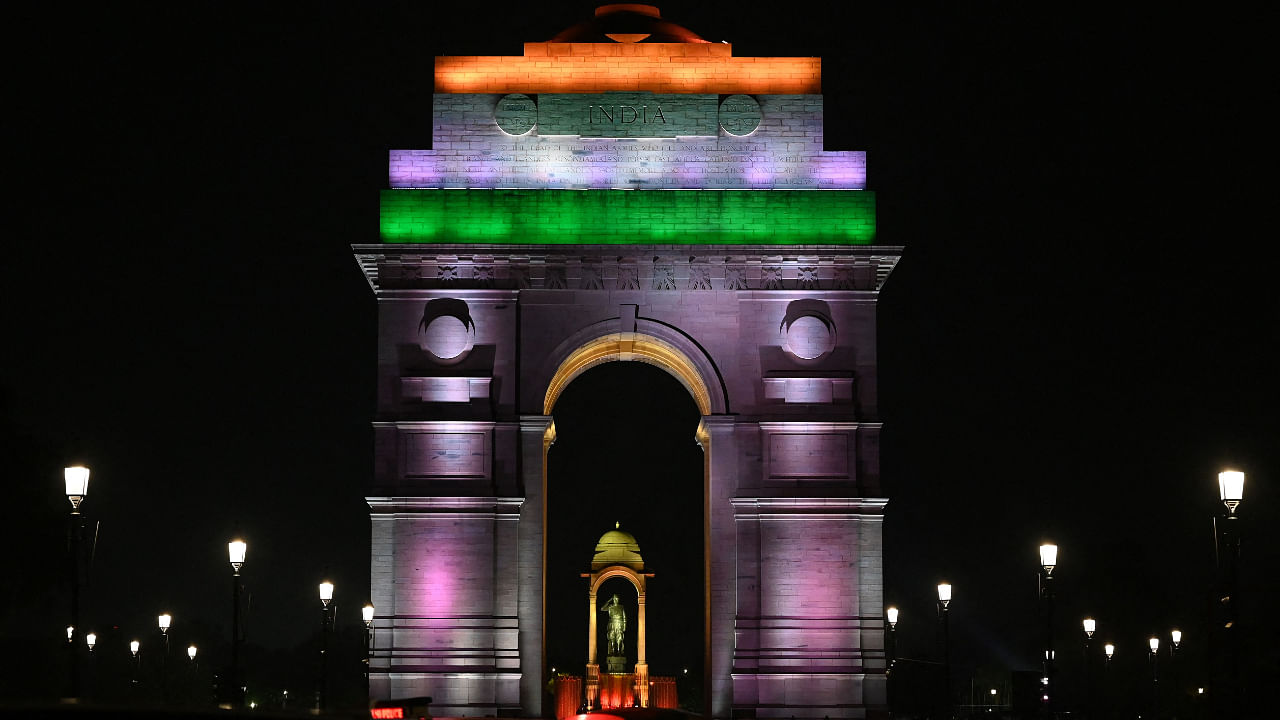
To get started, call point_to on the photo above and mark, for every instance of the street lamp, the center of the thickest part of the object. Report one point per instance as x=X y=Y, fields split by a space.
x=1090 y=626
x=191 y=653
x=76 y=482
x=1110 y=650
x=1048 y=561
x=1231 y=492
x=366 y=613
x=134 y=646
x=164 y=620
x=1176 y=637
x=326 y=625
x=944 y=606
x=91 y=639
x=236 y=551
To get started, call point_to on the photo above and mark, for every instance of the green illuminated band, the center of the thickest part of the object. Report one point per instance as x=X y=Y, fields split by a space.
x=607 y=217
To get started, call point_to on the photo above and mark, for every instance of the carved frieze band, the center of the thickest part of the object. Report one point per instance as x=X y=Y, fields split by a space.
x=645 y=269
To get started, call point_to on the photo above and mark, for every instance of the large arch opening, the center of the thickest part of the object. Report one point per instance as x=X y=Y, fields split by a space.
x=625 y=453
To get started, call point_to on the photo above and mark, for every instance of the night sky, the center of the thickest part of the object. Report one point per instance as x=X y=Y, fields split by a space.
x=1079 y=336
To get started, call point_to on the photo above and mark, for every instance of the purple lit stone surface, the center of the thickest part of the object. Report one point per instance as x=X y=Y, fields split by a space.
x=785 y=152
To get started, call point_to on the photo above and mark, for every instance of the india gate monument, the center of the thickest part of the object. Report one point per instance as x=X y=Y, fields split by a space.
x=627 y=192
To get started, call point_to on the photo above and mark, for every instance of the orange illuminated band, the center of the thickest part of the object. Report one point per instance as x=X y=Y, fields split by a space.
x=652 y=67
x=386 y=713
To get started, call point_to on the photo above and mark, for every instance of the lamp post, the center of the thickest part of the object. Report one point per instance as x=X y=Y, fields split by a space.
x=134 y=647
x=326 y=625
x=944 y=607
x=76 y=482
x=164 y=620
x=891 y=614
x=236 y=551
x=1090 y=627
x=1227 y=542
x=1154 y=644
x=1048 y=561
x=366 y=613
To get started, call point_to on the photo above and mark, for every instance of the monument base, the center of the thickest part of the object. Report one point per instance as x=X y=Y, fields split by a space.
x=615 y=664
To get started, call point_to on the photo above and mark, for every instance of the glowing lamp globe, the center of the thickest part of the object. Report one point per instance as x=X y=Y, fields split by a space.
x=1230 y=488
x=77 y=482
x=1090 y=625
x=164 y=621
x=133 y=647
x=1176 y=636
x=71 y=632
x=1109 y=649
x=191 y=652
x=1048 y=557
x=944 y=594
x=367 y=613
x=91 y=639
x=892 y=613
x=236 y=550
x=1154 y=643
x=326 y=593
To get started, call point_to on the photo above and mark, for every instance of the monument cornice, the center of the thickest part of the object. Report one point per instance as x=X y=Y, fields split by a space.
x=855 y=269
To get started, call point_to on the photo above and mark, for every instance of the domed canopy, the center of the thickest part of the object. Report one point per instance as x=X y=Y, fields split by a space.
x=627 y=23
x=617 y=548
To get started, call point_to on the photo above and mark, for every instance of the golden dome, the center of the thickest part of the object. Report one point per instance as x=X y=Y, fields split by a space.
x=617 y=548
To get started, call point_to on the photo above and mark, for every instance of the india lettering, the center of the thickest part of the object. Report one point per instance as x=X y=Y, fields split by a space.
x=624 y=114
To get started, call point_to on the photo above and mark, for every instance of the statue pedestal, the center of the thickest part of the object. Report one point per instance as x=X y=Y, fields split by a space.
x=615 y=664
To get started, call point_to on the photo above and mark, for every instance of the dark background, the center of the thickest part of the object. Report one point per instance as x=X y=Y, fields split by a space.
x=1078 y=338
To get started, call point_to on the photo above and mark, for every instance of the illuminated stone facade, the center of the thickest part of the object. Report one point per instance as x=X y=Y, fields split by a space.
x=740 y=260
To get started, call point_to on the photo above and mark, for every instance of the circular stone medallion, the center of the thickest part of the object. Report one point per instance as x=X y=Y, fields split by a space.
x=808 y=337
x=516 y=114
x=447 y=337
x=739 y=115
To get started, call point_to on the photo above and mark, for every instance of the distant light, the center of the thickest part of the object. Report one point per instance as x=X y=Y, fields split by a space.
x=133 y=647
x=326 y=592
x=1048 y=557
x=1230 y=488
x=1154 y=643
x=1090 y=625
x=1176 y=636
x=993 y=691
x=944 y=593
x=71 y=632
x=1109 y=649
x=253 y=705
x=91 y=639
x=191 y=652
x=367 y=613
x=165 y=620
x=892 y=613
x=1199 y=691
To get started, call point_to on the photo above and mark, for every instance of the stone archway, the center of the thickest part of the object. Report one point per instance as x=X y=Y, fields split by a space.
x=667 y=349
